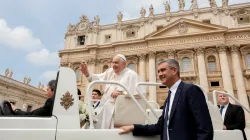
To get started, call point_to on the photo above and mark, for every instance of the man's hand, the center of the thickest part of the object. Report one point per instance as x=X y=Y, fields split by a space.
x=84 y=69
x=13 y=107
x=224 y=127
x=126 y=129
x=115 y=94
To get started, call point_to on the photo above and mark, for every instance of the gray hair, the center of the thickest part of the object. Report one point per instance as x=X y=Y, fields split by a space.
x=172 y=64
x=52 y=85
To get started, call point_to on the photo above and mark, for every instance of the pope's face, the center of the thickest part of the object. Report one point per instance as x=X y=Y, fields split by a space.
x=118 y=64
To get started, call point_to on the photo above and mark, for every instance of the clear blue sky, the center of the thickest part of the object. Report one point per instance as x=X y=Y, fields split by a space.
x=32 y=31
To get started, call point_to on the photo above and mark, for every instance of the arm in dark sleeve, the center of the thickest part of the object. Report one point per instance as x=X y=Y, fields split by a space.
x=148 y=130
x=240 y=120
x=198 y=106
x=46 y=110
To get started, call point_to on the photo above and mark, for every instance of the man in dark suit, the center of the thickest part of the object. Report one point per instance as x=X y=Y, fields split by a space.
x=185 y=114
x=96 y=95
x=232 y=115
x=46 y=110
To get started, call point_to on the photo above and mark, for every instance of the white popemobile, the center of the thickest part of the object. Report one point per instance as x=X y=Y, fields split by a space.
x=64 y=124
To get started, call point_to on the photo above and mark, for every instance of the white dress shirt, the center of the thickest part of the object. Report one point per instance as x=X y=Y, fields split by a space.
x=173 y=90
x=224 y=110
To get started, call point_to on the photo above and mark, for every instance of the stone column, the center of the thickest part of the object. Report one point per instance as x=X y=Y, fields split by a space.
x=171 y=54
x=239 y=80
x=202 y=68
x=152 y=77
x=226 y=76
x=91 y=65
x=142 y=68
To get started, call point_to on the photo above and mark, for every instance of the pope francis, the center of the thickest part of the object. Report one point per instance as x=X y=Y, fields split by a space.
x=119 y=73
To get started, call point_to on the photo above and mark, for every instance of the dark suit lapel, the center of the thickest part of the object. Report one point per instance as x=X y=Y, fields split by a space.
x=176 y=99
x=229 y=109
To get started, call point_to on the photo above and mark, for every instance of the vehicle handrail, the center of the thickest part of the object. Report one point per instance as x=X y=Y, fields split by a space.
x=144 y=98
x=158 y=106
x=89 y=91
x=221 y=92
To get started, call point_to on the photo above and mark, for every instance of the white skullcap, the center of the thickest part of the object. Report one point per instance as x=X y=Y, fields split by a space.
x=122 y=56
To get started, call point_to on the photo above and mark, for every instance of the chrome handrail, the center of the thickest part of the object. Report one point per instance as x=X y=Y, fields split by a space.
x=89 y=91
x=144 y=98
x=221 y=92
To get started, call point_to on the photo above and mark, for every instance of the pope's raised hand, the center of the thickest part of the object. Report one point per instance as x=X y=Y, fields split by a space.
x=84 y=69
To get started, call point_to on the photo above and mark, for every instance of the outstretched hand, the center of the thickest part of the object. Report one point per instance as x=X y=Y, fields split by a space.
x=126 y=129
x=84 y=69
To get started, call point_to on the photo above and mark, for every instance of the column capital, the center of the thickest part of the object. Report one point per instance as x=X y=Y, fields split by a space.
x=92 y=61
x=235 y=48
x=142 y=56
x=171 y=52
x=200 y=50
x=151 y=54
x=221 y=48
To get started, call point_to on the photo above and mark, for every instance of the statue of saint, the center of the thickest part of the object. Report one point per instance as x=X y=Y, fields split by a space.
x=28 y=81
x=119 y=17
x=7 y=71
x=97 y=20
x=151 y=10
x=212 y=3
x=224 y=3
x=167 y=7
x=39 y=85
x=25 y=80
x=181 y=5
x=11 y=74
x=194 y=4
x=143 y=12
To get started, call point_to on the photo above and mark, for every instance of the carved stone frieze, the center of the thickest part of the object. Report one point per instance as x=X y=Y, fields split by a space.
x=142 y=56
x=210 y=51
x=92 y=61
x=200 y=50
x=234 y=48
x=183 y=27
x=171 y=53
x=221 y=48
x=151 y=55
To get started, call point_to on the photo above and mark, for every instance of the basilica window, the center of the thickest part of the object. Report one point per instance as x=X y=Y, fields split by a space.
x=211 y=63
x=131 y=66
x=81 y=40
x=78 y=75
x=186 y=64
x=206 y=21
x=248 y=61
x=243 y=19
x=107 y=38
x=130 y=34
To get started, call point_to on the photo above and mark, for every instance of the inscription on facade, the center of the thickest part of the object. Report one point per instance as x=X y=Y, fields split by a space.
x=130 y=48
x=187 y=40
x=241 y=36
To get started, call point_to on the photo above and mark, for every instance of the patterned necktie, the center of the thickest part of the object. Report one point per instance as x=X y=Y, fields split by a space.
x=165 y=126
x=221 y=109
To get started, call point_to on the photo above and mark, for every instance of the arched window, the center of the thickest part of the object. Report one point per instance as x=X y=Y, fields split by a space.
x=186 y=64
x=248 y=61
x=131 y=66
x=105 y=67
x=211 y=63
x=78 y=75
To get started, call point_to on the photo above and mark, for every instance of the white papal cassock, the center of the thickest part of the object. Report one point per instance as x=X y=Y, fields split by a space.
x=105 y=110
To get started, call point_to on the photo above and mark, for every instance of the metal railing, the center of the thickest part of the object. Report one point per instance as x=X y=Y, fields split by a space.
x=221 y=92
x=89 y=91
x=144 y=98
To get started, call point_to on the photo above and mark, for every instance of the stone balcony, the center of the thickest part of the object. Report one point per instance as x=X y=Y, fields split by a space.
x=247 y=73
x=190 y=75
x=213 y=73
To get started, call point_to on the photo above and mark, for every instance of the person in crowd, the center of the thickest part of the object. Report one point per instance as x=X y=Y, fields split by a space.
x=185 y=114
x=46 y=110
x=232 y=115
x=96 y=95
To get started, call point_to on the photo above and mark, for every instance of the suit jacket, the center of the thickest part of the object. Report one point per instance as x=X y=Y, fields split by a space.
x=235 y=118
x=46 y=110
x=189 y=118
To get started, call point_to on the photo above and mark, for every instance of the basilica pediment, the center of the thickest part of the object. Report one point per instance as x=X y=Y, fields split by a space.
x=185 y=27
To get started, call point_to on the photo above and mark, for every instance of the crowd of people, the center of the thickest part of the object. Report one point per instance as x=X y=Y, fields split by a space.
x=185 y=114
